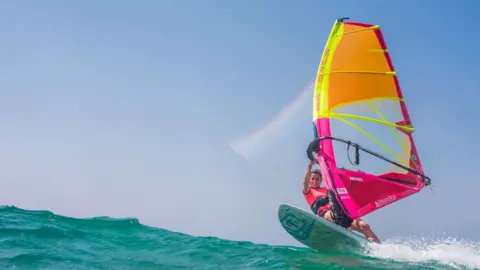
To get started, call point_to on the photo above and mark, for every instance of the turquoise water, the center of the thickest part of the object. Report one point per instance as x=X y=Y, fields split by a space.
x=43 y=240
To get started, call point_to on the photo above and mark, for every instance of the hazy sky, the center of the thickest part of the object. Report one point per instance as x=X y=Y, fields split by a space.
x=127 y=109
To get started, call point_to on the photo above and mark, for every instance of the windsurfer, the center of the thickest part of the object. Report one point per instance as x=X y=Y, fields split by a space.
x=317 y=198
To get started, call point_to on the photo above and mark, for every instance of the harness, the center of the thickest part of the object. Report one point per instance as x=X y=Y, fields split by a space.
x=318 y=203
x=338 y=215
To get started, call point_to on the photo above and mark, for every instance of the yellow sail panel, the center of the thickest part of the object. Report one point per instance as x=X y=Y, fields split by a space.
x=358 y=69
x=320 y=106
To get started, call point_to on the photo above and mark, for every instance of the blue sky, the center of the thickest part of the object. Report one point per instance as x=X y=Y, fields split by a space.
x=121 y=109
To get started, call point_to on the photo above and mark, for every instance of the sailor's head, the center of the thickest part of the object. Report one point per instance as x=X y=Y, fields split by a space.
x=315 y=178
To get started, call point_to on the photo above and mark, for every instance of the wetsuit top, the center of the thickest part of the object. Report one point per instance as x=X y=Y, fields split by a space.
x=317 y=199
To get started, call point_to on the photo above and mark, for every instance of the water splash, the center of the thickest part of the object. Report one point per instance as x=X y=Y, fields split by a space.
x=456 y=253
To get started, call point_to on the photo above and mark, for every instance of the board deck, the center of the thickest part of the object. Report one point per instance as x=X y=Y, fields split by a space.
x=316 y=232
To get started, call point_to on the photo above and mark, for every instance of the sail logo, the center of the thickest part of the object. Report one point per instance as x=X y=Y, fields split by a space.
x=382 y=202
x=353 y=178
x=323 y=63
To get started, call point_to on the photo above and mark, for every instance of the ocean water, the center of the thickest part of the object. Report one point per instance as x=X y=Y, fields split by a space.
x=43 y=240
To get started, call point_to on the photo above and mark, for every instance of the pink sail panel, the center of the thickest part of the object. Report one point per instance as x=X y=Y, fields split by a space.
x=368 y=193
x=360 y=193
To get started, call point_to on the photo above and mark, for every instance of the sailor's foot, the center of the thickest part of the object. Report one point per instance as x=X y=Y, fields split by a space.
x=371 y=239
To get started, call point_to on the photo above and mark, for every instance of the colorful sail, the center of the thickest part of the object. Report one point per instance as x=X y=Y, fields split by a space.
x=366 y=150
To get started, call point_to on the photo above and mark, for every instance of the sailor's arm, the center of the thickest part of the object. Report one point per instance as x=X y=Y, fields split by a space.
x=306 y=179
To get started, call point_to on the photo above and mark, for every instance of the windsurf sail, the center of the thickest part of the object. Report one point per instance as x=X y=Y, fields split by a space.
x=363 y=130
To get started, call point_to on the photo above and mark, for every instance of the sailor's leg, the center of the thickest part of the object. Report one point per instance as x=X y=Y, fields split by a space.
x=362 y=227
x=328 y=216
